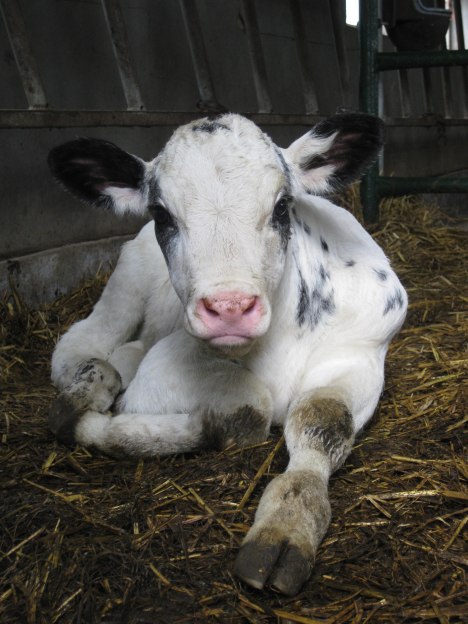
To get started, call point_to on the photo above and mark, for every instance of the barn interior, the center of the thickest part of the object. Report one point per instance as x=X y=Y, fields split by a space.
x=88 y=539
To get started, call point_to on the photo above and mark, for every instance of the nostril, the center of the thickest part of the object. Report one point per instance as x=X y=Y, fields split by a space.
x=251 y=306
x=208 y=305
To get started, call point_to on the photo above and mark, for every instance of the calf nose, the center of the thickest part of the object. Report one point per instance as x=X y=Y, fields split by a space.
x=229 y=306
x=230 y=312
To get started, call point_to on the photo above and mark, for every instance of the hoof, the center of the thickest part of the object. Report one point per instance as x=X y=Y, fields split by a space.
x=255 y=562
x=281 y=566
x=64 y=415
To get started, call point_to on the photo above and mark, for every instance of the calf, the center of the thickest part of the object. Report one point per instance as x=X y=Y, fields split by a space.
x=257 y=302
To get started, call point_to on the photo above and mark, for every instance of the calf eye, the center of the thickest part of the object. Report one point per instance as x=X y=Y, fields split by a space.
x=280 y=219
x=281 y=211
x=166 y=229
x=161 y=216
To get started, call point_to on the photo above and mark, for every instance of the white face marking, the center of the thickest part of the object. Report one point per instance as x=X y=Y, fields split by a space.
x=221 y=188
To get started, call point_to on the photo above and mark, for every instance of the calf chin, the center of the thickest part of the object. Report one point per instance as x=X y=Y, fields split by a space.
x=230 y=350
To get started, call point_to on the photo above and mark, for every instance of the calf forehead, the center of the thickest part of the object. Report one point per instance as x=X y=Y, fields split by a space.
x=207 y=156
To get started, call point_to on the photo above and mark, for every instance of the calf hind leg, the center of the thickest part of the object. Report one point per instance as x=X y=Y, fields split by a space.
x=294 y=511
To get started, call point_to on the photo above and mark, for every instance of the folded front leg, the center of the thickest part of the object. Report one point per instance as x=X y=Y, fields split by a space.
x=294 y=511
x=182 y=398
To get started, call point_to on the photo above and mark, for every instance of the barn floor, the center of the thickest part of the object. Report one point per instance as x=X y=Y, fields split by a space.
x=89 y=539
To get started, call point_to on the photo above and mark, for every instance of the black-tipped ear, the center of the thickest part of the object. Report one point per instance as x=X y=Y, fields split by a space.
x=337 y=151
x=100 y=173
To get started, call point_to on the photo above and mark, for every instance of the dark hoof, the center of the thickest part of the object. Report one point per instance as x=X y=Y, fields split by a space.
x=63 y=418
x=291 y=572
x=281 y=566
x=255 y=562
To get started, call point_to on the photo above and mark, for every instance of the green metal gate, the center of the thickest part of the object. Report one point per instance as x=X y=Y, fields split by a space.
x=373 y=63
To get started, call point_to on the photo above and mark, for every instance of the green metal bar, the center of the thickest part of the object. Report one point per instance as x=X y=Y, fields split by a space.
x=369 y=41
x=405 y=60
x=369 y=95
x=369 y=193
x=429 y=184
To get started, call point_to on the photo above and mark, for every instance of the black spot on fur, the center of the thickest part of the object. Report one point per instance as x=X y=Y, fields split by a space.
x=312 y=302
x=394 y=302
x=350 y=263
x=328 y=305
x=87 y=367
x=87 y=371
x=306 y=228
x=210 y=126
x=382 y=275
x=86 y=167
x=324 y=244
x=304 y=302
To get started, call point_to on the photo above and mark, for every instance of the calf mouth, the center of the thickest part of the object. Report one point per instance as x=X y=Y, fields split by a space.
x=230 y=345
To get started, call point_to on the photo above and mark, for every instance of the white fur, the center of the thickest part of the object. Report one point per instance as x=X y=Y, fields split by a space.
x=126 y=200
x=315 y=180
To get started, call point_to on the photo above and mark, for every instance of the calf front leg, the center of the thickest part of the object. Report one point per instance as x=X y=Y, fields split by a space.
x=183 y=398
x=294 y=511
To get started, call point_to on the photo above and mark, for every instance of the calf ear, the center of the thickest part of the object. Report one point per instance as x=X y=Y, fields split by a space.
x=100 y=173
x=336 y=151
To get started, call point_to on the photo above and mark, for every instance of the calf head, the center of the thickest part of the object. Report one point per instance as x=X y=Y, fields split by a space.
x=220 y=193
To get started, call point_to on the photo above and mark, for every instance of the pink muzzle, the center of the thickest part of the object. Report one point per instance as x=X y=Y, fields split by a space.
x=230 y=317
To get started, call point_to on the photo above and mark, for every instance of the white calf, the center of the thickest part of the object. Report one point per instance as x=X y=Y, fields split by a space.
x=257 y=302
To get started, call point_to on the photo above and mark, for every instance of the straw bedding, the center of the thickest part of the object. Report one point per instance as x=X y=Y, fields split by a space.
x=88 y=539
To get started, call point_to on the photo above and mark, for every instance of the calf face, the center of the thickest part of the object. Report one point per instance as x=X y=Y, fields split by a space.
x=220 y=193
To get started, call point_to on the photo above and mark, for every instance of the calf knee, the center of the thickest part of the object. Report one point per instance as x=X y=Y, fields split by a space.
x=246 y=426
x=321 y=424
